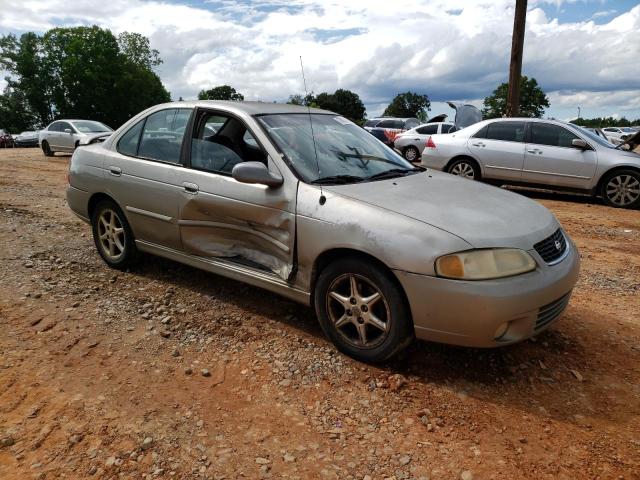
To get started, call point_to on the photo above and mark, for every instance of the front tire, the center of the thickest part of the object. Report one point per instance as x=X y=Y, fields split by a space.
x=46 y=149
x=362 y=310
x=465 y=168
x=621 y=189
x=411 y=154
x=113 y=236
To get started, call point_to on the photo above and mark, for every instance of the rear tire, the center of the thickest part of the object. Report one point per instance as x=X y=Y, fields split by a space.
x=46 y=149
x=112 y=235
x=465 y=168
x=362 y=310
x=411 y=154
x=621 y=189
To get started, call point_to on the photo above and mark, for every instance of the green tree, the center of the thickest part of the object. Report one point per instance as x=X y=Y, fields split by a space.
x=223 y=92
x=15 y=114
x=601 y=122
x=137 y=49
x=82 y=72
x=408 y=104
x=30 y=81
x=299 y=99
x=344 y=102
x=533 y=100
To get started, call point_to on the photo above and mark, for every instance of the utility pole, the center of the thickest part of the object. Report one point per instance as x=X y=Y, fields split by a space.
x=515 y=68
x=578 y=111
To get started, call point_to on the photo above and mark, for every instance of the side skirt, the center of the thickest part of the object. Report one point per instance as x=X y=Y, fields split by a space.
x=226 y=268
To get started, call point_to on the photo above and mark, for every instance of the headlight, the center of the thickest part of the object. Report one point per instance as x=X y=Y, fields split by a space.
x=485 y=264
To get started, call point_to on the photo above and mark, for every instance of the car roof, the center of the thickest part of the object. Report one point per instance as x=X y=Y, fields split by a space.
x=248 y=107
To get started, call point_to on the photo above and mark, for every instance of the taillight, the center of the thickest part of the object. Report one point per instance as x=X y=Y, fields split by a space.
x=430 y=143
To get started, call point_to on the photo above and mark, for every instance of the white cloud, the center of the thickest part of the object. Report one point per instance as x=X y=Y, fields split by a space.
x=450 y=49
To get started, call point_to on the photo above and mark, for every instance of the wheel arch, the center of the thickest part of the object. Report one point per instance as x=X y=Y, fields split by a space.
x=334 y=254
x=97 y=198
x=464 y=157
x=598 y=188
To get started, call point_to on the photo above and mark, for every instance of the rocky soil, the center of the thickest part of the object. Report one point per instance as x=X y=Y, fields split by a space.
x=169 y=372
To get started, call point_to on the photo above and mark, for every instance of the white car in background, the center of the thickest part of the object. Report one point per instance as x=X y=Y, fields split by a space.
x=411 y=142
x=67 y=135
x=617 y=135
x=542 y=153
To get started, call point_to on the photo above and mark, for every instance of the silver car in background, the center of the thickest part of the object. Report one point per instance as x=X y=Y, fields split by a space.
x=384 y=251
x=67 y=135
x=541 y=153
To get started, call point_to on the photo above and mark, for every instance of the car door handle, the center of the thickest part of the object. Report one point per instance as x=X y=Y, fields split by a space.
x=478 y=144
x=535 y=150
x=190 y=187
x=115 y=171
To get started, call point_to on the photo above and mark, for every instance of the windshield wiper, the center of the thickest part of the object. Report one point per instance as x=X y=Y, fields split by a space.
x=338 y=179
x=394 y=172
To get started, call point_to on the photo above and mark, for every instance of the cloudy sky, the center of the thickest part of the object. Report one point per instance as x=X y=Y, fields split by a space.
x=582 y=52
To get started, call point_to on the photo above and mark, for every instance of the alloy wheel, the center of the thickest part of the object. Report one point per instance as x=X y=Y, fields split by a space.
x=623 y=190
x=358 y=310
x=411 y=154
x=463 y=169
x=111 y=234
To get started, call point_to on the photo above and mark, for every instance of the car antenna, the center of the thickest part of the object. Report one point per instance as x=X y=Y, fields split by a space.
x=323 y=199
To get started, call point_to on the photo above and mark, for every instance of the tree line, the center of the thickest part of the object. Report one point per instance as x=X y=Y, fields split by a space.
x=79 y=72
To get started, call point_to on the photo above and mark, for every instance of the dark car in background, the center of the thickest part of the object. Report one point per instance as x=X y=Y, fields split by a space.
x=386 y=129
x=6 y=140
x=26 y=139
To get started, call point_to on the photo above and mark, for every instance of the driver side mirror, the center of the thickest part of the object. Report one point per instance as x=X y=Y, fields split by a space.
x=67 y=130
x=579 y=143
x=256 y=172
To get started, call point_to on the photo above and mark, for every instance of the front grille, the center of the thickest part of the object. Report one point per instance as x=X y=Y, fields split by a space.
x=550 y=312
x=552 y=248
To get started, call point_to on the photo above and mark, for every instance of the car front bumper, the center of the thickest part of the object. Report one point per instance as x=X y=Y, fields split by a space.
x=469 y=313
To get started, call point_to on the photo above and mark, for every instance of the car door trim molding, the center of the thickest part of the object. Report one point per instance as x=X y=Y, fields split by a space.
x=229 y=269
x=263 y=236
x=502 y=168
x=556 y=174
x=146 y=213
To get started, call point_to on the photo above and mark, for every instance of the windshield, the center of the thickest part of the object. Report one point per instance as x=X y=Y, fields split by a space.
x=594 y=137
x=86 y=126
x=343 y=148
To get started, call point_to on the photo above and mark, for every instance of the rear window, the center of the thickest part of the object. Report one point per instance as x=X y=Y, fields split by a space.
x=390 y=124
x=427 y=130
x=506 y=131
x=371 y=123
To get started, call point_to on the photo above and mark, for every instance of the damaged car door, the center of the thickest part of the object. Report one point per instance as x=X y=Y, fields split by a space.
x=251 y=224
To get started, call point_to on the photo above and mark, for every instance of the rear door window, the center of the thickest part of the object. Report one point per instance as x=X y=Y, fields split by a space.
x=428 y=130
x=553 y=135
x=162 y=135
x=506 y=131
x=54 y=127
x=128 y=143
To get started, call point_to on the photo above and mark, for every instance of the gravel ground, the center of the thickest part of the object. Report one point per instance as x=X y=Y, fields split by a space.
x=170 y=372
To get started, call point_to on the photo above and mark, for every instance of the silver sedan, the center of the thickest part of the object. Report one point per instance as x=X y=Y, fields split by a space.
x=540 y=153
x=310 y=206
x=67 y=135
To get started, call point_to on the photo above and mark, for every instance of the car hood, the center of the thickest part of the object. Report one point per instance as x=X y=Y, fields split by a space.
x=482 y=215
